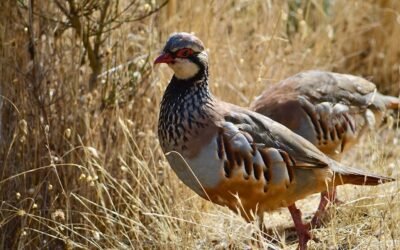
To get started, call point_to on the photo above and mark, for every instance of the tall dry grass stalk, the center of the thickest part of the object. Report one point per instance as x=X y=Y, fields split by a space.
x=83 y=169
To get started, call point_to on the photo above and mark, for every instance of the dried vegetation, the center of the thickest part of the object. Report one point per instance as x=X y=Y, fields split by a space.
x=79 y=158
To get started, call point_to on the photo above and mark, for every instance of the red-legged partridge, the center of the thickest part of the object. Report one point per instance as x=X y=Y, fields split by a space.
x=233 y=156
x=330 y=110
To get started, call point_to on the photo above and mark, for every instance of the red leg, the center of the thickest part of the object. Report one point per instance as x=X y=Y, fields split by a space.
x=326 y=198
x=301 y=229
x=316 y=220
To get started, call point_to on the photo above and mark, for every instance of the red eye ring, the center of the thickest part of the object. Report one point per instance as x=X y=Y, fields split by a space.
x=185 y=52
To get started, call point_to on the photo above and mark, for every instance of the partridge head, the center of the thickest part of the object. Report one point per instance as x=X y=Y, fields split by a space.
x=185 y=55
x=233 y=156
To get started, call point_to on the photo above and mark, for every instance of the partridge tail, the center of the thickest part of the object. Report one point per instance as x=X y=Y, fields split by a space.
x=363 y=179
x=349 y=175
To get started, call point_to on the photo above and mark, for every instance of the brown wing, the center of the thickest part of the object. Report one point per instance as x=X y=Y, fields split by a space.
x=267 y=133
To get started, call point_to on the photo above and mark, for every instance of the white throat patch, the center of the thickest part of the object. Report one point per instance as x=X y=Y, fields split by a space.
x=184 y=68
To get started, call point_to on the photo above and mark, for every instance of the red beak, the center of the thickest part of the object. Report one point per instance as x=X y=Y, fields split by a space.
x=164 y=58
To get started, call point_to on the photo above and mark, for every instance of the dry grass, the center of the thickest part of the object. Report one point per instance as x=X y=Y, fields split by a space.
x=83 y=169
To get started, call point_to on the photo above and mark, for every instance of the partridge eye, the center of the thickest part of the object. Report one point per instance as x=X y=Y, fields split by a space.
x=184 y=53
